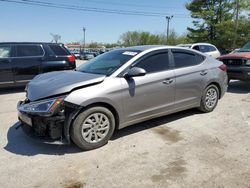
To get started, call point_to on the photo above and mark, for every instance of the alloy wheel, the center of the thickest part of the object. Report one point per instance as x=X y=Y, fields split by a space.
x=211 y=98
x=95 y=127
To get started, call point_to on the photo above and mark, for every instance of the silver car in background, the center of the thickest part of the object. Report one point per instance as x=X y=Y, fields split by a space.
x=118 y=89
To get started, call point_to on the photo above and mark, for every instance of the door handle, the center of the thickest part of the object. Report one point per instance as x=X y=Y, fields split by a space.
x=203 y=73
x=168 y=81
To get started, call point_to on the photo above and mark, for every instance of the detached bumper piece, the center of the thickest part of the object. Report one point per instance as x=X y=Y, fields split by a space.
x=44 y=129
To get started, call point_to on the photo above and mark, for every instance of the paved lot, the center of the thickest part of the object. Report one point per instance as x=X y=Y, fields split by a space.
x=79 y=62
x=187 y=149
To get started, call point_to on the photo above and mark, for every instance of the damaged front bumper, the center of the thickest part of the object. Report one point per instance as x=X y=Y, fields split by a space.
x=50 y=128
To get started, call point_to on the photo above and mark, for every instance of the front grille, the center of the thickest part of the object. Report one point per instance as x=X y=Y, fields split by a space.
x=233 y=62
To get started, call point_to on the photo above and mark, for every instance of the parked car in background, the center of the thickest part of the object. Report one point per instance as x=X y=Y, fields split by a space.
x=95 y=53
x=117 y=89
x=86 y=55
x=20 y=62
x=206 y=48
x=238 y=63
x=75 y=52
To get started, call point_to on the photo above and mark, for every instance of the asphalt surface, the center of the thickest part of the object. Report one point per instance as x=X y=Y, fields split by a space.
x=186 y=149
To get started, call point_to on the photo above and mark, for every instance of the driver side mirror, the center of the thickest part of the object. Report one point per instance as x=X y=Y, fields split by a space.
x=135 y=72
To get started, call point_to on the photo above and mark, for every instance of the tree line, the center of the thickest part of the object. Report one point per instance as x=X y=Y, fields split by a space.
x=224 y=23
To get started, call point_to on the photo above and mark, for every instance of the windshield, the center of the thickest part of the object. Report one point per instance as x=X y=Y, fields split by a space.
x=109 y=62
x=245 y=48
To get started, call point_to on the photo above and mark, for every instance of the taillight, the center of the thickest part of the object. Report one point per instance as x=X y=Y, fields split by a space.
x=71 y=58
x=223 y=67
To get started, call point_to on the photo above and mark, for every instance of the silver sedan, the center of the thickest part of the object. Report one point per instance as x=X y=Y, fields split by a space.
x=118 y=89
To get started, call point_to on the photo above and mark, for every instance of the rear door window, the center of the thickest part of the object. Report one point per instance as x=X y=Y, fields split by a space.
x=59 y=50
x=29 y=50
x=185 y=59
x=5 y=51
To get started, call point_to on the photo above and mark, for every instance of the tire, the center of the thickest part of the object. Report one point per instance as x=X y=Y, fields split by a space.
x=93 y=128
x=209 y=99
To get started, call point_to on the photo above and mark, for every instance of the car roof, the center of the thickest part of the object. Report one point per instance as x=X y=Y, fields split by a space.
x=31 y=43
x=145 y=47
x=149 y=48
x=199 y=43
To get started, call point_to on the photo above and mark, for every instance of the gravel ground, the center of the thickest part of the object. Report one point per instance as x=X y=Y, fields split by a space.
x=187 y=149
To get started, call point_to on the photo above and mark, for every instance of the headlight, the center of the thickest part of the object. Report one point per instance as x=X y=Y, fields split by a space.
x=42 y=106
x=248 y=62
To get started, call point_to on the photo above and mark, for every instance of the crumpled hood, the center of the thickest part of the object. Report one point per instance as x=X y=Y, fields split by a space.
x=59 y=82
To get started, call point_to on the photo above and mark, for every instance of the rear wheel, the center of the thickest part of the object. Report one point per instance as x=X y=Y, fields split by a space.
x=93 y=128
x=209 y=99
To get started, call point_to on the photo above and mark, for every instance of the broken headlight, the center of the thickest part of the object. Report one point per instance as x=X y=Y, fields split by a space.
x=45 y=106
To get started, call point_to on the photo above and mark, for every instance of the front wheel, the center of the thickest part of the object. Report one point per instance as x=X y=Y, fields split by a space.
x=209 y=99
x=93 y=128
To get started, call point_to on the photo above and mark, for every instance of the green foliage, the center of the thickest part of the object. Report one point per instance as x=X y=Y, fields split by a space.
x=175 y=39
x=214 y=22
x=134 y=38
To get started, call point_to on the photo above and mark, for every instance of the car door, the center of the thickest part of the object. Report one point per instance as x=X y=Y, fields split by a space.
x=153 y=94
x=6 y=66
x=27 y=62
x=191 y=77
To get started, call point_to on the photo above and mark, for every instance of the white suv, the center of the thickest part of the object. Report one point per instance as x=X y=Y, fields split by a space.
x=203 y=47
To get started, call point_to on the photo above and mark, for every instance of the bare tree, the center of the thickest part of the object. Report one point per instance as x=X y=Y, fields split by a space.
x=55 y=37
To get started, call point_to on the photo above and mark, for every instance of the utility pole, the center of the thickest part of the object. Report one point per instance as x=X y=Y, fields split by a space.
x=84 y=30
x=168 y=20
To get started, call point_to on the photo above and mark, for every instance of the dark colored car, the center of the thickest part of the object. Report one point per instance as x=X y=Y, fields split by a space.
x=238 y=64
x=21 y=62
x=86 y=55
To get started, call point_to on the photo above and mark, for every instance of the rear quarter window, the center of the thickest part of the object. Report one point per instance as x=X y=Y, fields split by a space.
x=200 y=58
x=59 y=50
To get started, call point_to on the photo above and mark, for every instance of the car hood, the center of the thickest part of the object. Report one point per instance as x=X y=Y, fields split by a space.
x=236 y=55
x=60 y=82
